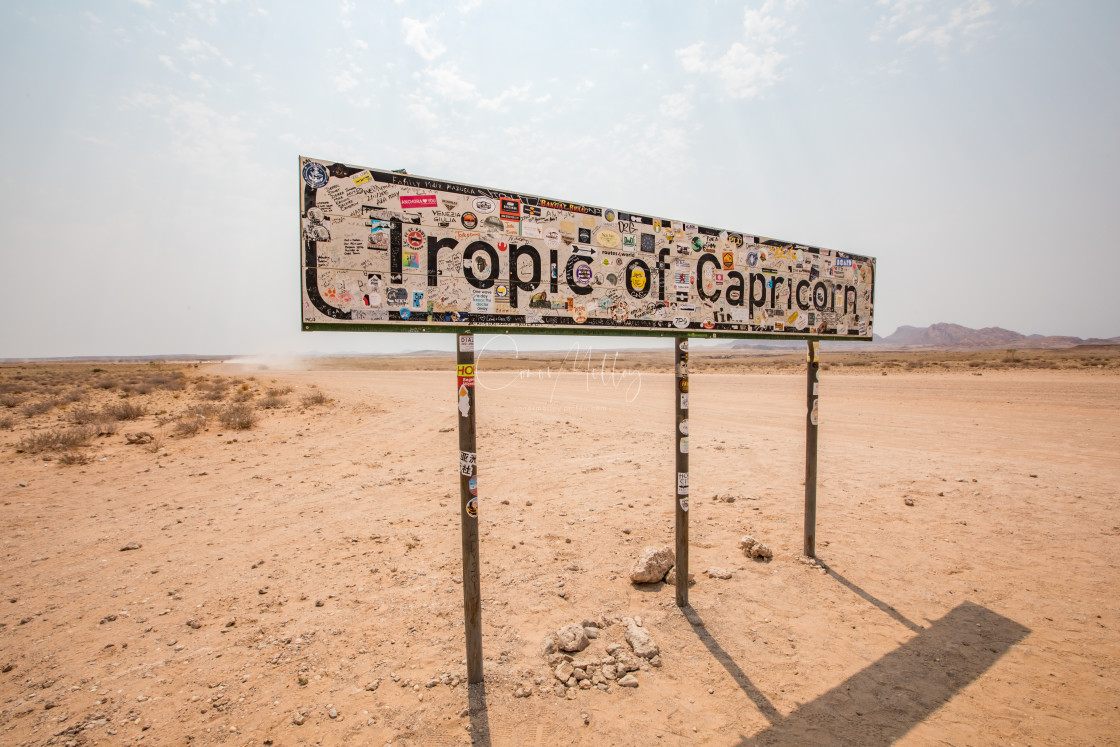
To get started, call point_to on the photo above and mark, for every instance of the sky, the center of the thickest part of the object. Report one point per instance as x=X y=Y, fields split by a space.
x=149 y=174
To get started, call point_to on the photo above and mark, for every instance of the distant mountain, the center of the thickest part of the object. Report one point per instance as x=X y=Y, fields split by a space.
x=960 y=337
x=950 y=336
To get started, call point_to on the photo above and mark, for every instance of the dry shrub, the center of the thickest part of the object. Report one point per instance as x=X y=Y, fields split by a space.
x=315 y=398
x=240 y=417
x=31 y=409
x=7 y=422
x=243 y=396
x=105 y=427
x=56 y=439
x=279 y=391
x=74 y=395
x=124 y=411
x=69 y=458
x=105 y=383
x=271 y=402
x=9 y=399
x=189 y=425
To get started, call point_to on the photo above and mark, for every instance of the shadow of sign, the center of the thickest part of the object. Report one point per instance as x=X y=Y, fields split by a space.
x=879 y=704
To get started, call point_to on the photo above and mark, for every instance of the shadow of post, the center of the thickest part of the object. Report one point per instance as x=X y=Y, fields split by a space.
x=480 y=722
x=874 y=600
x=879 y=704
x=764 y=705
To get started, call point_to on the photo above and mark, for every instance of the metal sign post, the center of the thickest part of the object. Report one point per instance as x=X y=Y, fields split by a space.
x=468 y=505
x=811 y=398
x=680 y=445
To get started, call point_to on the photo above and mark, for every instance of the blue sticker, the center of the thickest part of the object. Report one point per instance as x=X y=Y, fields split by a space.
x=474 y=486
x=315 y=174
x=405 y=313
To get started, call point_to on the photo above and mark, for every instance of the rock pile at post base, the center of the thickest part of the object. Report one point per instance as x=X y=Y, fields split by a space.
x=589 y=669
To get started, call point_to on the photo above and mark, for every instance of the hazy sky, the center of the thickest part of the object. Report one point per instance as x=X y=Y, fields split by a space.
x=149 y=178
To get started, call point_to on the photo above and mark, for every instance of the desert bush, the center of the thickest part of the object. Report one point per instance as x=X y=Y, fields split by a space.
x=271 y=402
x=56 y=439
x=279 y=391
x=74 y=395
x=31 y=409
x=105 y=383
x=315 y=398
x=239 y=417
x=9 y=399
x=124 y=411
x=68 y=458
x=84 y=415
x=203 y=411
x=105 y=427
x=188 y=425
x=7 y=422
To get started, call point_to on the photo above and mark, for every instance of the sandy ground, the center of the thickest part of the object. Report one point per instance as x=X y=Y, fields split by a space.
x=318 y=554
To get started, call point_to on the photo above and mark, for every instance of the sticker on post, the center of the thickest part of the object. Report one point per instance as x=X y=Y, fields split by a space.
x=684 y=401
x=464 y=404
x=682 y=483
x=684 y=445
x=684 y=427
x=472 y=508
x=466 y=343
x=813 y=412
x=467 y=463
x=684 y=505
x=474 y=486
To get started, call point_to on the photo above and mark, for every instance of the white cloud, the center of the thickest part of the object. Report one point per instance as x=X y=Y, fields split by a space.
x=466 y=6
x=197 y=50
x=145 y=3
x=416 y=36
x=514 y=93
x=748 y=67
x=345 y=80
x=676 y=105
x=940 y=24
x=422 y=112
x=446 y=82
x=168 y=62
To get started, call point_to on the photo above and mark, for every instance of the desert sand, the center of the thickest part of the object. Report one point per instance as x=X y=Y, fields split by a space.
x=298 y=581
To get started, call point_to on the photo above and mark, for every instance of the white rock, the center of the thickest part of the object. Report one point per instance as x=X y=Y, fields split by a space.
x=564 y=671
x=628 y=681
x=719 y=573
x=572 y=638
x=641 y=642
x=652 y=565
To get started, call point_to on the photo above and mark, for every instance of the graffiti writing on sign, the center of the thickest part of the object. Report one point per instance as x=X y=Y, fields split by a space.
x=468 y=256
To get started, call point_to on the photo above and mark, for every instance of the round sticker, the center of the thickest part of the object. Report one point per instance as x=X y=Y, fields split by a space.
x=415 y=239
x=405 y=313
x=472 y=507
x=484 y=205
x=707 y=324
x=820 y=296
x=684 y=427
x=608 y=215
x=470 y=221
x=608 y=238
x=579 y=314
x=697 y=244
x=684 y=386
x=752 y=259
x=315 y=174
x=680 y=322
x=583 y=273
x=612 y=278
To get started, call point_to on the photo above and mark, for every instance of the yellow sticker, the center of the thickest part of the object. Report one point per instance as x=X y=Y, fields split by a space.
x=362 y=177
x=638 y=278
x=466 y=369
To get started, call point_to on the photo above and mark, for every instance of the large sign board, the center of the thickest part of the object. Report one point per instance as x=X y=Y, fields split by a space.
x=387 y=251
